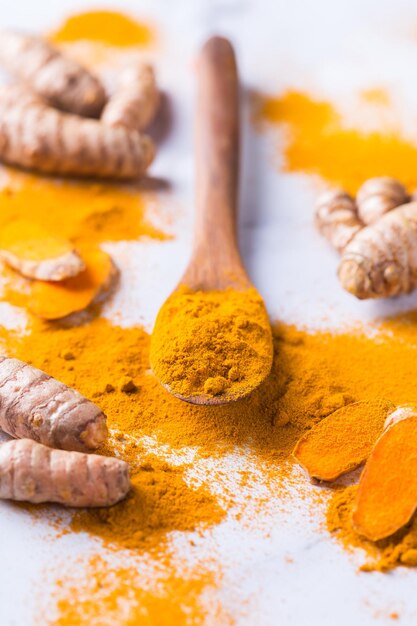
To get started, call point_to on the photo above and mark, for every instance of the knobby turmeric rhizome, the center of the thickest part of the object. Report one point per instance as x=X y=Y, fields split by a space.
x=179 y=475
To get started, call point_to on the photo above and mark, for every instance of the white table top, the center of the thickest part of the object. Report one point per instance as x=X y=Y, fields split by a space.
x=328 y=49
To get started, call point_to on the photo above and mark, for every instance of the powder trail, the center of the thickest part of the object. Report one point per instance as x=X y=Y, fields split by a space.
x=317 y=142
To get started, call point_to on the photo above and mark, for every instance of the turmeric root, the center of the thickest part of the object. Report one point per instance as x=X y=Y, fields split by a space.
x=55 y=300
x=32 y=472
x=34 y=405
x=377 y=196
x=337 y=218
x=343 y=440
x=381 y=260
x=34 y=253
x=36 y=136
x=387 y=493
x=135 y=101
x=59 y=80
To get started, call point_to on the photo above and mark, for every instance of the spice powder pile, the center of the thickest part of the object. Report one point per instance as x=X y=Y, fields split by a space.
x=212 y=342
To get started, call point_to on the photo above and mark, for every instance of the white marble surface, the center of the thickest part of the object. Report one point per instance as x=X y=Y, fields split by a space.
x=326 y=48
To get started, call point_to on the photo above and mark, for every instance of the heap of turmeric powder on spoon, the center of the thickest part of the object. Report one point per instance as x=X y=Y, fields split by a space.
x=212 y=343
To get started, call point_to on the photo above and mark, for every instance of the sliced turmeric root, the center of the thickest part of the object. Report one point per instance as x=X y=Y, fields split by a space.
x=343 y=440
x=35 y=253
x=53 y=301
x=387 y=494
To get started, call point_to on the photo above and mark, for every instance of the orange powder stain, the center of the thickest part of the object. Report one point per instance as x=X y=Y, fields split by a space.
x=81 y=211
x=376 y=96
x=316 y=142
x=122 y=598
x=106 y=27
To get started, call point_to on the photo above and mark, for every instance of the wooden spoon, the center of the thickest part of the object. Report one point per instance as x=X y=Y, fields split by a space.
x=215 y=263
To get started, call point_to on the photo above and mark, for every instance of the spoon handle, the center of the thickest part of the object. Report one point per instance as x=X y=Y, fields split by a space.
x=215 y=255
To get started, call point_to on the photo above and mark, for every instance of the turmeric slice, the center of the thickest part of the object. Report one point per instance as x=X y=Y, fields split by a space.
x=387 y=493
x=55 y=300
x=343 y=440
x=35 y=405
x=59 y=80
x=135 y=101
x=33 y=135
x=35 y=253
x=32 y=472
x=381 y=260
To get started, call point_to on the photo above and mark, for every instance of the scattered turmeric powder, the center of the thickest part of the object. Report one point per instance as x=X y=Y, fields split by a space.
x=332 y=370
x=109 y=27
x=200 y=337
x=312 y=376
x=318 y=142
x=343 y=440
x=35 y=253
x=159 y=502
x=32 y=472
x=94 y=212
x=174 y=599
x=57 y=79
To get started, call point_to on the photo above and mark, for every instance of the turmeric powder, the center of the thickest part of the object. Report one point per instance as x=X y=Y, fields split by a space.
x=174 y=599
x=318 y=142
x=108 y=27
x=144 y=518
x=212 y=343
x=94 y=212
x=312 y=376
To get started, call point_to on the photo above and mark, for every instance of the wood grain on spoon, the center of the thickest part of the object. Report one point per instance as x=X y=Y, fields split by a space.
x=215 y=275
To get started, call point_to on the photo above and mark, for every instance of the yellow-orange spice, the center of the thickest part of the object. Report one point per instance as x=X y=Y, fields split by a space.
x=81 y=211
x=317 y=142
x=104 y=26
